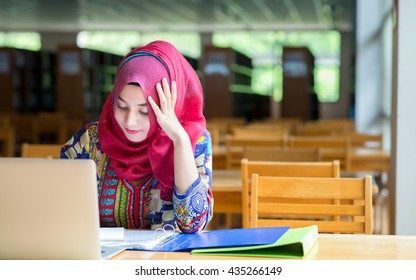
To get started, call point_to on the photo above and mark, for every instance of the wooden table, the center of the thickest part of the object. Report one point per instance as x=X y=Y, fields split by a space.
x=226 y=188
x=328 y=247
x=219 y=157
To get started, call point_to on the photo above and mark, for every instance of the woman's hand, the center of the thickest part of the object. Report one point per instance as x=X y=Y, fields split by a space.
x=165 y=115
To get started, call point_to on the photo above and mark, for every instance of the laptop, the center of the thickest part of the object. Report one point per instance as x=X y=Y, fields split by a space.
x=49 y=210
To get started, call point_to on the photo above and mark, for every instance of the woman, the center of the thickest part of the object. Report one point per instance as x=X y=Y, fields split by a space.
x=151 y=147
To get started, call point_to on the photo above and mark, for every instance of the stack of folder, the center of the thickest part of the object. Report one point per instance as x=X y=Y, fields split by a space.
x=273 y=242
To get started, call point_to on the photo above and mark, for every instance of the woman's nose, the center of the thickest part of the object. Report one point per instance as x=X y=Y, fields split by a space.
x=131 y=118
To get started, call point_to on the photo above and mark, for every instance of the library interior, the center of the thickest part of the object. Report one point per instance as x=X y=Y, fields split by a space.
x=292 y=90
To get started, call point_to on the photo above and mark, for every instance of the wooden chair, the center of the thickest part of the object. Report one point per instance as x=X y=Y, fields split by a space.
x=366 y=140
x=290 y=124
x=282 y=154
x=7 y=141
x=51 y=124
x=215 y=132
x=351 y=202
x=286 y=169
x=259 y=133
x=325 y=127
x=318 y=142
x=23 y=125
x=235 y=147
x=5 y=120
x=221 y=126
x=40 y=150
x=332 y=147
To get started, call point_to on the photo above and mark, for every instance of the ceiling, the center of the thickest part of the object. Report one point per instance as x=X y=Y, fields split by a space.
x=175 y=15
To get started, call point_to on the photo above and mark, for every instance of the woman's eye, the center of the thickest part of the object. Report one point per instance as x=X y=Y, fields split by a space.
x=124 y=108
x=144 y=113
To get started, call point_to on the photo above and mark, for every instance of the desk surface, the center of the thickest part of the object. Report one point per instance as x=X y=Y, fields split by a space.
x=328 y=247
x=226 y=180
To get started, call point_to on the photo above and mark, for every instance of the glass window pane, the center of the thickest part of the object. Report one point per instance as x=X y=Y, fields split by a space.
x=327 y=83
x=188 y=43
x=112 y=42
x=21 y=40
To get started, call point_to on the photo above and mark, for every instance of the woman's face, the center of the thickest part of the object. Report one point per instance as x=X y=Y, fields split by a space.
x=132 y=114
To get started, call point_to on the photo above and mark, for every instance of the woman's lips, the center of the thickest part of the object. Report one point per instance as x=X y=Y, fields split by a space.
x=129 y=131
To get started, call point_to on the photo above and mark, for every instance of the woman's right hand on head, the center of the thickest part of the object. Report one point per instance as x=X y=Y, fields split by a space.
x=165 y=114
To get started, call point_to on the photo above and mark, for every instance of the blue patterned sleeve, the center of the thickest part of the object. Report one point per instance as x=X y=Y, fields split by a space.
x=78 y=146
x=194 y=209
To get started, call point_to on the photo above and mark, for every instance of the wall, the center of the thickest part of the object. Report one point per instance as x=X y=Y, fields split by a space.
x=403 y=121
x=368 y=64
x=51 y=40
x=341 y=108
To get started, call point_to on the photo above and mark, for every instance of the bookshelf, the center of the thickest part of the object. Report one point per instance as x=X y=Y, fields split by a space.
x=27 y=81
x=84 y=80
x=299 y=98
x=226 y=78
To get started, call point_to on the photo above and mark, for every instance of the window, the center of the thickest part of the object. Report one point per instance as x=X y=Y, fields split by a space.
x=188 y=43
x=112 y=42
x=21 y=40
x=265 y=49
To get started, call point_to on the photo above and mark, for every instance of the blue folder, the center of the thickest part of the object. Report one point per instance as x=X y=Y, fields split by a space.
x=219 y=239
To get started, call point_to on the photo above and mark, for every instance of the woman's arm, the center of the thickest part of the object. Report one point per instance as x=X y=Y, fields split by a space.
x=194 y=209
x=192 y=198
x=79 y=144
x=185 y=171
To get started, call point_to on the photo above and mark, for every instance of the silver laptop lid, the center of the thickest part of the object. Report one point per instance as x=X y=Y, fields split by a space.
x=48 y=209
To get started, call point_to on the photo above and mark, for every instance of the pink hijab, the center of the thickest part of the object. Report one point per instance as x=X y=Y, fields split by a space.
x=147 y=66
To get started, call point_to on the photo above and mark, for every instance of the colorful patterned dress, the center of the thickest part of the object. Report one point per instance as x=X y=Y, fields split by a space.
x=124 y=204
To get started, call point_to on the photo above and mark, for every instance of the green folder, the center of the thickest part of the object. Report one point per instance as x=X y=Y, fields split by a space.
x=295 y=243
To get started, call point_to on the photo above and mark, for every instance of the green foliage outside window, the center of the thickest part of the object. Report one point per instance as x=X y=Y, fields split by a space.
x=122 y=42
x=21 y=40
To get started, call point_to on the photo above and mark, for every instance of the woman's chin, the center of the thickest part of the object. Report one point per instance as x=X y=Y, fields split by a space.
x=134 y=138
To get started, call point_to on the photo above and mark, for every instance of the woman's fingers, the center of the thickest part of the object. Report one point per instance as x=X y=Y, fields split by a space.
x=155 y=108
x=173 y=95
x=166 y=90
x=167 y=95
x=162 y=98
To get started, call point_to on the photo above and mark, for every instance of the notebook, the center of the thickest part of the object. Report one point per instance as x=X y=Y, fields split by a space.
x=49 y=209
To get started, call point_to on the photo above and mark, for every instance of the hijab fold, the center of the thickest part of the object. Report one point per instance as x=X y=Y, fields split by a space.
x=147 y=66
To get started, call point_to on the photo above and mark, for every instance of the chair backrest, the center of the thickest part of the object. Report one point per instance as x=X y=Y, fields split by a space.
x=221 y=126
x=366 y=140
x=50 y=123
x=283 y=169
x=282 y=154
x=256 y=131
x=318 y=142
x=332 y=147
x=40 y=150
x=7 y=141
x=235 y=147
x=350 y=201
